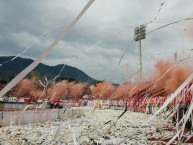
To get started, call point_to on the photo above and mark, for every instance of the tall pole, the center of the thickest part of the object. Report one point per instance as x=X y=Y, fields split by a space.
x=140 y=33
x=140 y=61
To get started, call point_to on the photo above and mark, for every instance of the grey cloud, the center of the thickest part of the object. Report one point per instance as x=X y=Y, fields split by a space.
x=109 y=21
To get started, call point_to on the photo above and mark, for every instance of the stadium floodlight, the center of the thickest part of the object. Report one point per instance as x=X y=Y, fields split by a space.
x=139 y=34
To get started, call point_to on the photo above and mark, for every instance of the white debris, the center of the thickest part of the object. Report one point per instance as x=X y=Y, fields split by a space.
x=91 y=129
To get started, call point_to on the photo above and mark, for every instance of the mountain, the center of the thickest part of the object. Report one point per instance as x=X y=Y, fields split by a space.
x=11 y=69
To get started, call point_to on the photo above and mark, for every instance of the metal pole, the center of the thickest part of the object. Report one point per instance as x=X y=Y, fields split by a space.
x=140 y=33
x=140 y=61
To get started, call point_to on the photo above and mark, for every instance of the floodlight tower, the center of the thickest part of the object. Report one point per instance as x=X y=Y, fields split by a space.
x=139 y=34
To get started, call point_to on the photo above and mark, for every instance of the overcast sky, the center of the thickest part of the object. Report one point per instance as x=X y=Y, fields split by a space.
x=98 y=40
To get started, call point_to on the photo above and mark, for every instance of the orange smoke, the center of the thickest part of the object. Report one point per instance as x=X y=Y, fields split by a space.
x=67 y=90
x=173 y=79
x=37 y=93
x=28 y=88
x=103 y=90
x=78 y=90
x=25 y=87
x=62 y=90
x=122 y=91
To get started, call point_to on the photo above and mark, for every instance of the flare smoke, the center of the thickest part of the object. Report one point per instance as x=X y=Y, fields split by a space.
x=174 y=78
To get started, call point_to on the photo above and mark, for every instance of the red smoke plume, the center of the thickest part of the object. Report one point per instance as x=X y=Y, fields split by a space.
x=103 y=90
x=28 y=88
x=122 y=91
x=78 y=90
x=25 y=88
x=62 y=90
x=173 y=79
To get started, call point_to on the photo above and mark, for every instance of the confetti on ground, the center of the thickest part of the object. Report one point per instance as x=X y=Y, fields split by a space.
x=90 y=130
